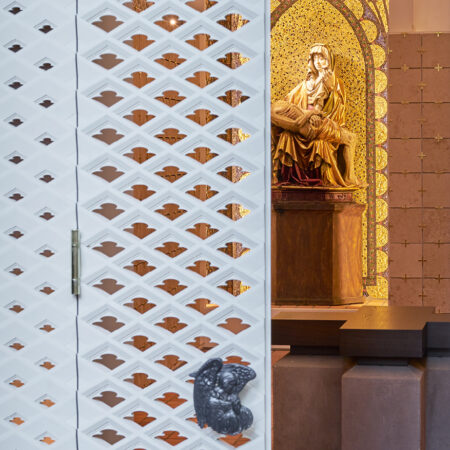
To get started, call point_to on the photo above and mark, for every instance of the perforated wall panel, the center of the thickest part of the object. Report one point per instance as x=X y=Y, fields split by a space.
x=172 y=210
x=142 y=124
x=37 y=211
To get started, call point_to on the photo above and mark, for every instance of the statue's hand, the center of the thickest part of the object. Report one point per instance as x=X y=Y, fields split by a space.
x=315 y=120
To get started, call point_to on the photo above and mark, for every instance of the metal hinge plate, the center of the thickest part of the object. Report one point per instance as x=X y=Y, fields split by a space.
x=76 y=263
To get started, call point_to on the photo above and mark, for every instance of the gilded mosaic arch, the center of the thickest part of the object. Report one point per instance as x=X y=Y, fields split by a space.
x=368 y=20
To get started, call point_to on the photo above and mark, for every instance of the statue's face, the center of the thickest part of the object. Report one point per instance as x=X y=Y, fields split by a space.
x=320 y=61
x=227 y=381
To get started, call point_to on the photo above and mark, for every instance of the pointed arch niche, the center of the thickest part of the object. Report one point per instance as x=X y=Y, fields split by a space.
x=357 y=32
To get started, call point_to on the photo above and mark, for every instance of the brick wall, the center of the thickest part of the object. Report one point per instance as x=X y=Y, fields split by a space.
x=419 y=149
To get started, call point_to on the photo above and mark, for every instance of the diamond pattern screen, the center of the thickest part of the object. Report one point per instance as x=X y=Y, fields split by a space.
x=37 y=211
x=143 y=124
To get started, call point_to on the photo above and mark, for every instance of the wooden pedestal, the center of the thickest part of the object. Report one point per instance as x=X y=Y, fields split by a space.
x=316 y=247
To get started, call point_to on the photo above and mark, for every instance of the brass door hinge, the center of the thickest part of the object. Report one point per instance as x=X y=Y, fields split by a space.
x=76 y=263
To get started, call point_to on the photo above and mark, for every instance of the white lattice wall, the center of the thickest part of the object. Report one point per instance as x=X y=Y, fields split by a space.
x=37 y=201
x=171 y=143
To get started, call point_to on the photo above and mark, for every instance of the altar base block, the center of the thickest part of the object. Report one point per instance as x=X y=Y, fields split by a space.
x=316 y=247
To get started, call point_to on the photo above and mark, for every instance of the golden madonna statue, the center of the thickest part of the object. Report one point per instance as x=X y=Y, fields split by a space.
x=310 y=144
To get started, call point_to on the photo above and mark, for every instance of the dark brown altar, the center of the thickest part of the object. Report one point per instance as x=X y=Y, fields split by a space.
x=316 y=246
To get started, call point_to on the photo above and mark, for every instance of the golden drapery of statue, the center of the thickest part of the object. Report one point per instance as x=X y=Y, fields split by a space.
x=310 y=144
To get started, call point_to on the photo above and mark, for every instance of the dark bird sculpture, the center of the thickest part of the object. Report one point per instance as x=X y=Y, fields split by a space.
x=216 y=396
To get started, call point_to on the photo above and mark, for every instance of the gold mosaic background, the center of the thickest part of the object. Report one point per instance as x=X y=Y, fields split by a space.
x=305 y=23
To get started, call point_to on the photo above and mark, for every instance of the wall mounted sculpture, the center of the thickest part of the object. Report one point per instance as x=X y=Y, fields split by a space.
x=216 y=396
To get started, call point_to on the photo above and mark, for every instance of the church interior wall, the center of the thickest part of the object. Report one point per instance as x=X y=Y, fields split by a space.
x=412 y=237
x=419 y=107
x=420 y=16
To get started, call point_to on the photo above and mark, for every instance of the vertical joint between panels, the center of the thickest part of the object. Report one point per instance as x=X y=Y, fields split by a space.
x=421 y=175
x=268 y=205
x=77 y=296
